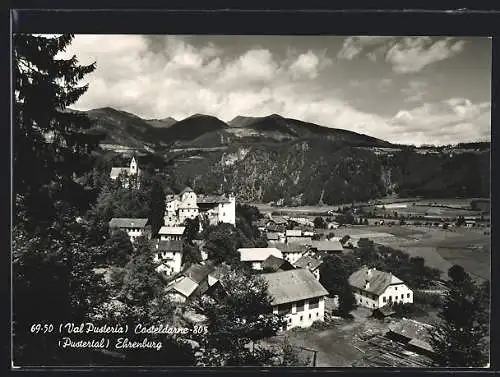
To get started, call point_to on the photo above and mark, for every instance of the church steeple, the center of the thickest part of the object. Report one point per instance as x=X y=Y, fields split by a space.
x=133 y=165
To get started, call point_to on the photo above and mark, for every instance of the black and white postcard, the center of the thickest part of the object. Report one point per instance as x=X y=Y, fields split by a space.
x=251 y=200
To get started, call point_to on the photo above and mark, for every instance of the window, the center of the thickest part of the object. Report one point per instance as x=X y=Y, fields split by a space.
x=317 y=314
x=384 y=299
x=301 y=318
x=300 y=306
x=395 y=288
x=390 y=298
x=402 y=296
x=284 y=309
x=408 y=295
x=309 y=315
x=373 y=305
x=313 y=303
x=289 y=320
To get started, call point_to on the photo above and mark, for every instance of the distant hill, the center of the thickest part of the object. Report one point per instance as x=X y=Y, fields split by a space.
x=288 y=161
x=205 y=131
x=162 y=123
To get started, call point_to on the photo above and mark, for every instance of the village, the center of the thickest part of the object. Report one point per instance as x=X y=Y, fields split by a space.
x=297 y=247
x=250 y=200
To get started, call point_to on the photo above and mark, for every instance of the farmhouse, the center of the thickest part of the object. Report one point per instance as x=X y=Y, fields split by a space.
x=312 y=263
x=275 y=264
x=131 y=171
x=133 y=227
x=256 y=255
x=297 y=295
x=169 y=256
x=373 y=288
x=188 y=205
x=171 y=233
x=292 y=252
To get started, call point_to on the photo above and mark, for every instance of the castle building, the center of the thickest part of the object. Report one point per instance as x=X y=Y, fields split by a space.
x=188 y=205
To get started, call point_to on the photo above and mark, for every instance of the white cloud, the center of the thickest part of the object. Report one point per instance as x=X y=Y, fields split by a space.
x=160 y=76
x=412 y=54
x=448 y=121
x=353 y=46
x=406 y=55
x=306 y=64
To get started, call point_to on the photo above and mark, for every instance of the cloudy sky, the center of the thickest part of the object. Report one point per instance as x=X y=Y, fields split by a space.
x=432 y=90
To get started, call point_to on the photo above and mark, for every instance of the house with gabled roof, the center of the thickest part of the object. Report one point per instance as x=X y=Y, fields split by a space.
x=297 y=295
x=195 y=281
x=292 y=252
x=312 y=262
x=171 y=233
x=275 y=264
x=373 y=288
x=168 y=255
x=331 y=246
x=254 y=256
x=132 y=226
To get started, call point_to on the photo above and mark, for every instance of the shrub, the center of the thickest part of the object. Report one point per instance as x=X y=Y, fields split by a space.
x=428 y=299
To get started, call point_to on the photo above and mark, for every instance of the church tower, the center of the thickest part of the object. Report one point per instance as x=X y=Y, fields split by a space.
x=134 y=169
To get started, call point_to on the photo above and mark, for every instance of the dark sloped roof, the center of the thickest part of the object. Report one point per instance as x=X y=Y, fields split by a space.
x=288 y=247
x=309 y=261
x=274 y=263
x=331 y=245
x=211 y=199
x=186 y=189
x=169 y=245
x=293 y=285
x=411 y=329
x=379 y=280
x=279 y=220
x=120 y=222
x=198 y=272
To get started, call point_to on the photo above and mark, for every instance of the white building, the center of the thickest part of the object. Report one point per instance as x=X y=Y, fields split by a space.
x=292 y=252
x=297 y=295
x=256 y=255
x=188 y=205
x=127 y=172
x=171 y=233
x=133 y=227
x=168 y=256
x=373 y=288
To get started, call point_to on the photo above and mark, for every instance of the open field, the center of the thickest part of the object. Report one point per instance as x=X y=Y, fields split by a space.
x=440 y=248
x=460 y=206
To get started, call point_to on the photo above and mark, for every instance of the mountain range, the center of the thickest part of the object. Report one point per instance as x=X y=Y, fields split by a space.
x=284 y=160
x=205 y=131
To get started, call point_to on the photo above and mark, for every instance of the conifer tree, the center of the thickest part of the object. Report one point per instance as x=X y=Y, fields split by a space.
x=53 y=277
x=459 y=340
x=50 y=143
